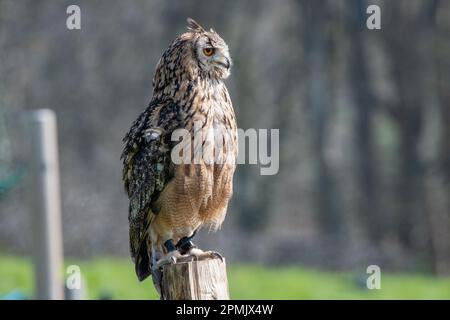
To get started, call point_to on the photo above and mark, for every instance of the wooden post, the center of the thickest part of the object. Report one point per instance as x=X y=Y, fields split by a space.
x=46 y=207
x=195 y=280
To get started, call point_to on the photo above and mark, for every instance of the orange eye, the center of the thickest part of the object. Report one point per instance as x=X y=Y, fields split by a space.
x=208 y=52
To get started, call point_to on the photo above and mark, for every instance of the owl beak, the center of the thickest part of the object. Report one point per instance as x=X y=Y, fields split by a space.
x=223 y=62
x=228 y=63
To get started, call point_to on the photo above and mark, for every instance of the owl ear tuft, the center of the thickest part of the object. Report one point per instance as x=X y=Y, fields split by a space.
x=194 y=26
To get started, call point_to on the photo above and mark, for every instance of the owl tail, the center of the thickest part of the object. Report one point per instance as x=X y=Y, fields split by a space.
x=142 y=264
x=146 y=264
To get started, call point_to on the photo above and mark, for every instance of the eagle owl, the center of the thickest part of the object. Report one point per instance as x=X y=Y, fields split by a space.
x=171 y=199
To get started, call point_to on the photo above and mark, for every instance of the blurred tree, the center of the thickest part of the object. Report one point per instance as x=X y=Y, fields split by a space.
x=363 y=116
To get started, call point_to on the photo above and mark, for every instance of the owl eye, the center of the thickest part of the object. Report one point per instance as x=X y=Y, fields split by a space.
x=208 y=51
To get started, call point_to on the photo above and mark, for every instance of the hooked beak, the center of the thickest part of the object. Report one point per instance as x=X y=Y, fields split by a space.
x=223 y=62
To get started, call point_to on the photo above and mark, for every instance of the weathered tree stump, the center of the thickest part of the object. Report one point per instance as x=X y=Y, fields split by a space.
x=195 y=280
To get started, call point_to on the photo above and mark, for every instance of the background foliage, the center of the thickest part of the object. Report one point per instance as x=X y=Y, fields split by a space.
x=364 y=120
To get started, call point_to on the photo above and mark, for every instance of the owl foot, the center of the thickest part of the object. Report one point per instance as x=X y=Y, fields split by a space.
x=172 y=255
x=169 y=258
x=199 y=254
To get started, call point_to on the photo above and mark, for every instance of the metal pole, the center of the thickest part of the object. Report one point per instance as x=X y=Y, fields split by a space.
x=46 y=206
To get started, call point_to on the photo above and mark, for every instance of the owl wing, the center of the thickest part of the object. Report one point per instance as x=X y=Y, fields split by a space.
x=147 y=166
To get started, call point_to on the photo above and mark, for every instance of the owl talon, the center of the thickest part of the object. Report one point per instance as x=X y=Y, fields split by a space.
x=187 y=258
x=170 y=258
x=214 y=254
x=199 y=254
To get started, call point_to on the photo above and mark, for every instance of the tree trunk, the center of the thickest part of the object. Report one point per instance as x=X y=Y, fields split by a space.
x=195 y=280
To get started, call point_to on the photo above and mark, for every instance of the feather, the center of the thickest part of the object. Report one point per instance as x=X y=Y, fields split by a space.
x=194 y=26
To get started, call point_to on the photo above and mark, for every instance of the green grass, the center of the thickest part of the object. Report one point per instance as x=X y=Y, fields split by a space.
x=115 y=277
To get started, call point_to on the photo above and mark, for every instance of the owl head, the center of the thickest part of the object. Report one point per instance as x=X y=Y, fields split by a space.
x=210 y=51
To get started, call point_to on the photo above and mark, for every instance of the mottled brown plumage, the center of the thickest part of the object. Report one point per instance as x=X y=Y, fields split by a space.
x=171 y=200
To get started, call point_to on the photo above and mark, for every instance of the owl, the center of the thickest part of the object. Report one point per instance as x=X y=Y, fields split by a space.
x=179 y=155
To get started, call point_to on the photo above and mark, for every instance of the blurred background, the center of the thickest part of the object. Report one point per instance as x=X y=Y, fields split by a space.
x=364 y=118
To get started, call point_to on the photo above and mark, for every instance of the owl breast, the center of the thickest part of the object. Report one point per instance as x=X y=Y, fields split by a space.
x=219 y=148
x=218 y=166
x=200 y=191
